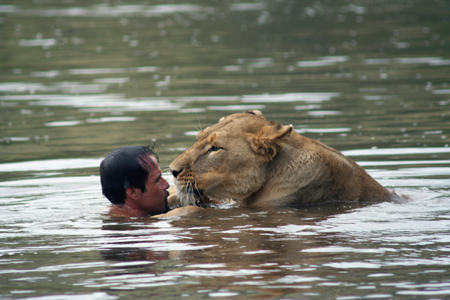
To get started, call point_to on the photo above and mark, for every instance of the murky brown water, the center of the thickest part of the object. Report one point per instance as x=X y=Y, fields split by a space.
x=78 y=79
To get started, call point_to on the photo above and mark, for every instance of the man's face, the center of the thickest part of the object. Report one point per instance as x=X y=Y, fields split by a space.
x=154 y=200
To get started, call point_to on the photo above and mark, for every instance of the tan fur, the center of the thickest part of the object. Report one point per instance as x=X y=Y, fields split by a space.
x=257 y=162
x=180 y=212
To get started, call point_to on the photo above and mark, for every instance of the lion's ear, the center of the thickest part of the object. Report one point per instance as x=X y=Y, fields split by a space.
x=270 y=140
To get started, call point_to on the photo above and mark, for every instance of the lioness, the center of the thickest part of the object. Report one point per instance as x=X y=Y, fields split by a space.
x=257 y=162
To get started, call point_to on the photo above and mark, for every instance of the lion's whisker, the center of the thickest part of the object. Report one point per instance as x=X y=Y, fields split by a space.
x=200 y=194
x=200 y=126
x=185 y=195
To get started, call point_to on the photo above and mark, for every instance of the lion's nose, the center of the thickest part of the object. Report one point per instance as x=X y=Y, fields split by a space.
x=175 y=173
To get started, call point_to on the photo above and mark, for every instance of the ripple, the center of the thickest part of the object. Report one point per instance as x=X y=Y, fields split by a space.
x=165 y=245
x=102 y=71
x=63 y=123
x=321 y=113
x=46 y=74
x=404 y=162
x=323 y=130
x=192 y=110
x=223 y=294
x=288 y=230
x=21 y=87
x=257 y=63
x=208 y=98
x=208 y=266
x=93 y=296
x=290 y=279
x=111 y=119
x=338 y=249
x=415 y=221
x=417 y=60
x=258 y=252
x=8 y=8
x=237 y=107
x=104 y=103
x=307 y=107
x=46 y=165
x=191 y=133
x=116 y=80
x=380 y=275
x=8 y=140
x=232 y=68
x=353 y=265
x=92 y=120
x=415 y=172
x=247 y=6
x=376 y=98
x=396 y=151
x=377 y=61
x=102 y=10
x=323 y=61
x=291 y=97
x=441 y=92
x=433 y=61
x=45 y=43
x=219 y=273
x=424 y=293
x=440 y=62
x=72 y=266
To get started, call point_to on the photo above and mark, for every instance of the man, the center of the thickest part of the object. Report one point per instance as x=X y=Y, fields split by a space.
x=131 y=180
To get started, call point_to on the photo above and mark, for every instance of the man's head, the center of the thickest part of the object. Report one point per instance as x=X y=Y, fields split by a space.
x=131 y=176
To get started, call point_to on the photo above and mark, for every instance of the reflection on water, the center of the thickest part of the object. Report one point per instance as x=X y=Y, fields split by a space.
x=395 y=248
x=79 y=79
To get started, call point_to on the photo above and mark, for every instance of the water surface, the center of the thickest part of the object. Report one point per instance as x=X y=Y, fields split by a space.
x=78 y=79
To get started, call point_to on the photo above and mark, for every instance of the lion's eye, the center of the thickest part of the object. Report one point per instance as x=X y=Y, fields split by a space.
x=213 y=149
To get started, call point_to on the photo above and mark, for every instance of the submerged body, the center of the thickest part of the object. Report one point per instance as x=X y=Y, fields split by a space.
x=257 y=162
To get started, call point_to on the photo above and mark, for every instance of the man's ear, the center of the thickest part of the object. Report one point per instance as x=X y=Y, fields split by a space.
x=132 y=193
x=270 y=140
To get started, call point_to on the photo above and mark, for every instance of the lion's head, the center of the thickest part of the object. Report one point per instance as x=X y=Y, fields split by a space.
x=229 y=159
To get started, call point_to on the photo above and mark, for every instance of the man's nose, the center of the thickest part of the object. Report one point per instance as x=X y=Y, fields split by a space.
x=165 y=184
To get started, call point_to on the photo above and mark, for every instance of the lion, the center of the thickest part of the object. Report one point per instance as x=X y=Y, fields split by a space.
x=259 y=163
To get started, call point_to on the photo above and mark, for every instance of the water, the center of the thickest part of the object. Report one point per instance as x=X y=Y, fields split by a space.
x=78 y=79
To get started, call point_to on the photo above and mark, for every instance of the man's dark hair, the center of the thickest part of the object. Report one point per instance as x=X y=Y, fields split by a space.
x=123 y=168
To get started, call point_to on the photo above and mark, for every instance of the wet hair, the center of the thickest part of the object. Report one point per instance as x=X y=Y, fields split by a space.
x=123 y=168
